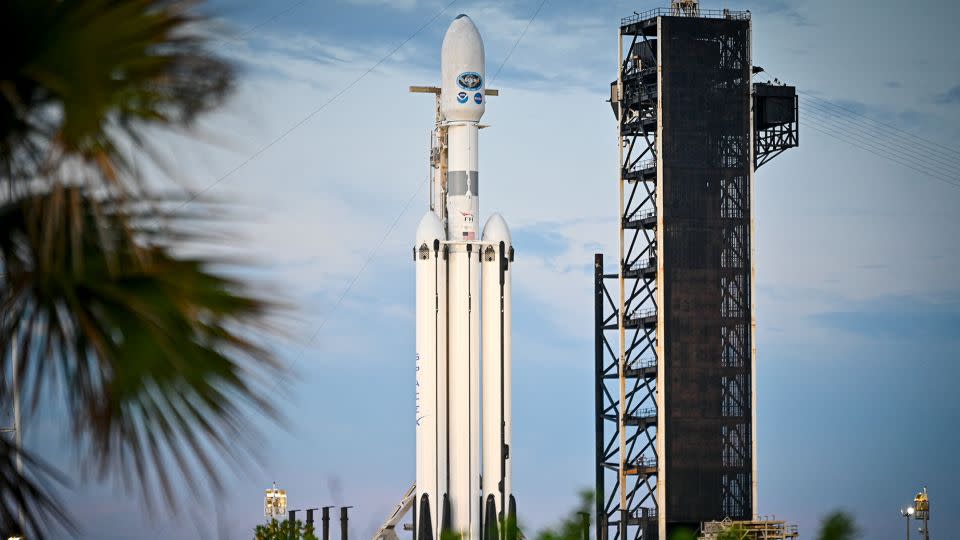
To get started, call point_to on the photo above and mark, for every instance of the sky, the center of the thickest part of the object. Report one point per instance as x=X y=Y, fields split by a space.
x=858 y=300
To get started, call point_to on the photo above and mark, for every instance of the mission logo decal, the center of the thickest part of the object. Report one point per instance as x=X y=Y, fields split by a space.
x=462 y=97
x=470 y=80
x=478 y=98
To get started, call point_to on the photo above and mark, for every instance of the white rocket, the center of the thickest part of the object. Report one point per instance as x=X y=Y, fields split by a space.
x=463 y=292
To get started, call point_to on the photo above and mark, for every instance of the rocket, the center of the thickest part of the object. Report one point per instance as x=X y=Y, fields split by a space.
x=463 y=301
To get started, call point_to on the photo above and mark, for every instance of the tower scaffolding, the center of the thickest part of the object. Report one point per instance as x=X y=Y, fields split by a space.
x=674 y=343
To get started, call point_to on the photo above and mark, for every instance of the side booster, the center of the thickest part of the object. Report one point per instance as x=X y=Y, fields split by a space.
x=463 y=299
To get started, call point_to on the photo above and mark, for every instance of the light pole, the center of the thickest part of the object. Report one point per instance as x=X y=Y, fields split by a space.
x=907 y=512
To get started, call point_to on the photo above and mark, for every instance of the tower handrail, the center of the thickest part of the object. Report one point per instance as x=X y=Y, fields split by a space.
x=642 y=363
x=669 y=12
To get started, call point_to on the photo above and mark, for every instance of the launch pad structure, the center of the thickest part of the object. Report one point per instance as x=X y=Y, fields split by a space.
x=760 y=529
x=675 y=357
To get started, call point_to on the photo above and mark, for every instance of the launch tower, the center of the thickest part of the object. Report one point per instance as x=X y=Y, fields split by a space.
x=675 y=356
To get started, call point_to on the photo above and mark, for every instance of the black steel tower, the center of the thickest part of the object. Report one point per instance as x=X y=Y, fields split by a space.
x=674 y=322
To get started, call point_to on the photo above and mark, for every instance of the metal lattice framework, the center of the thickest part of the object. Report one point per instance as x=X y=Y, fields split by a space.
x=776 y=121
x=674 y=353
x=626 y=346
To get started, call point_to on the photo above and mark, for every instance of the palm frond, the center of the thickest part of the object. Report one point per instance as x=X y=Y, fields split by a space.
x=29 y=491
x=157 y=353
x=79 y=77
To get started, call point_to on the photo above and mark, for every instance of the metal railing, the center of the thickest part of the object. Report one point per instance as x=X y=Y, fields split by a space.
x=640 y=313
x=646 y=164
x=639 y=90
x=644 y=461
x=641 y=165
x=644 y=512
x=644 y=263
x=648 y=412
x=642 y=363
x=670 y=12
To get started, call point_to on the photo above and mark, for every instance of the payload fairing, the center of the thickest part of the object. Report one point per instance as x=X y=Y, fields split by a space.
x=463 y=292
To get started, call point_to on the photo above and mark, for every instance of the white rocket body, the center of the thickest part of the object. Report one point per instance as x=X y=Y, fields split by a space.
x=457 y=449
x=431 y=345
x=464 y=358
x=497 y=363
x=462 y=103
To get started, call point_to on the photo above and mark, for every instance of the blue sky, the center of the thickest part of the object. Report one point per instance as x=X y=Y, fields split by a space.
x=858 y=300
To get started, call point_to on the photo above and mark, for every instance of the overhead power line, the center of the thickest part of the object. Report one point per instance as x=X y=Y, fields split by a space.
x=884 y=124
x=862 y=124
x=366 y=262
x=314 y=112
x=868 y=146
x=882 y=139
x=259 y=25
x=517 y=42
x=894 y=149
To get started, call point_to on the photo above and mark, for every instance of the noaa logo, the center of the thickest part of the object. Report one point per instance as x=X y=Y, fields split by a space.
x=462 y=97
x=478 y=98
x=470 y=80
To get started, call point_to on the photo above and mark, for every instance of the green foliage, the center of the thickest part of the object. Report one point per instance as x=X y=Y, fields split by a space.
x=838 y=526
x=683 y=534
x=156 y=354
x=82 y=77
x=734 y=532
x=571 y=526
x=447 y=534
x=282 y=530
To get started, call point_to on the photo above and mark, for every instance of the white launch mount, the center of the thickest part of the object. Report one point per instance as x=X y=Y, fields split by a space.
x=463 y=299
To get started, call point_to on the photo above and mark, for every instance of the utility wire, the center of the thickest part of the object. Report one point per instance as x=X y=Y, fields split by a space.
x=517 y=42
x=934 y=155
x=867 y=124
x=869 y=147
x=890 y=151
x=261 y=24
x=893 y=149
x=834 y=135
x=890 y=126
x=313 y=113
x=366 y=263
x=829 y=124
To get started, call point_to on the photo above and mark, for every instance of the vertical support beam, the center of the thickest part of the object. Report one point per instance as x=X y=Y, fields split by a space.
x=621 y=306
x=661 y=441
x=344 y=523
x=601 y=519
x=754 y=480
x=325 y=521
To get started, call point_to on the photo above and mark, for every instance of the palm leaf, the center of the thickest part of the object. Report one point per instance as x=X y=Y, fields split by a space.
x=156 y=353
x=29 y=491
x=81 y=78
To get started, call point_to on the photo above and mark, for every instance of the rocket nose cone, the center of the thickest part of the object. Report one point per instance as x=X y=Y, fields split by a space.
x=462 y=28
x=462 y=72
x=430 y=229
x=496 y=230
x=462 y=20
